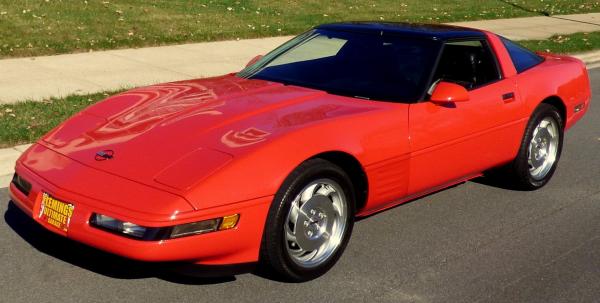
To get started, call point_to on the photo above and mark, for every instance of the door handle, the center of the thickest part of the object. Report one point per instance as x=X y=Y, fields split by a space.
x=508 y=97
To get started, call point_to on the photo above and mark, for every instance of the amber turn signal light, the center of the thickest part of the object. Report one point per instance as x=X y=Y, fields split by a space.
x=229 y=222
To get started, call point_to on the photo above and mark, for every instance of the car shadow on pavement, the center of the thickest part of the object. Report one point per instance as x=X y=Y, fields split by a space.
x=495 y=180
x=110 y=265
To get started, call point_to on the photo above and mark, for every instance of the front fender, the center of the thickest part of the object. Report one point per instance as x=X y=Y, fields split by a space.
x=370 y=137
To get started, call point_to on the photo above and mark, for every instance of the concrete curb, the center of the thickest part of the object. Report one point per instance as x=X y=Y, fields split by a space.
x=591 y=59
x=5 y=180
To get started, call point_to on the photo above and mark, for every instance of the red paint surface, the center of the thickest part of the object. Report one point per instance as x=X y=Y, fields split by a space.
x=199 y=149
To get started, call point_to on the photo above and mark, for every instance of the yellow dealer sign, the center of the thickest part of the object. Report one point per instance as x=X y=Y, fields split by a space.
x=56 y=212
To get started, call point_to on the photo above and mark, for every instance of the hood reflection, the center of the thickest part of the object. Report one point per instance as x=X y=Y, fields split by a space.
x=159 y=103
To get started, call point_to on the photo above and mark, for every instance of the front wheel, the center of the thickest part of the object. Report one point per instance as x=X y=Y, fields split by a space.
x=310 y=221
x=540 y=150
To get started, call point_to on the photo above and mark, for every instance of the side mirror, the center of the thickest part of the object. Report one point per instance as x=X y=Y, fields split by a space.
x=254 y=60
x=448 y=92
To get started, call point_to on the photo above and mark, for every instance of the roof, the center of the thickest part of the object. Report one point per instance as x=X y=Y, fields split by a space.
x=433 y=31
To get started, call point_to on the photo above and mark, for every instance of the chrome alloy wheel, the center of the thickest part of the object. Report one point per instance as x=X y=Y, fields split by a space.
x=543 y=148
x=316 y=223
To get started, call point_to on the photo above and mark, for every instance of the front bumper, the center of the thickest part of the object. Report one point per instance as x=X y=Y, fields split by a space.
x=238 y=245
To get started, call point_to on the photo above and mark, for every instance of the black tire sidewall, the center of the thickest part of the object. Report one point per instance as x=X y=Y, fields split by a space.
x=273 y=247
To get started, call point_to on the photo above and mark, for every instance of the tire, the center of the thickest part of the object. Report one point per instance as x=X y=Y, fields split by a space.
x=536 y=161
x=318 y=195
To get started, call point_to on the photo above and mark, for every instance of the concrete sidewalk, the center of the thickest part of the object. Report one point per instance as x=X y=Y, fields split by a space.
x=37 y=78
x=8 y=157
x=56 y=76
x=538 y=28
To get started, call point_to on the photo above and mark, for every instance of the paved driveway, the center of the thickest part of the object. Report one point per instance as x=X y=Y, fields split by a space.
x=473 y=242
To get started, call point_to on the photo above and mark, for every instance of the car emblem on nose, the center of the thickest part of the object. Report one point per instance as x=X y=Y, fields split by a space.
x=104 y=155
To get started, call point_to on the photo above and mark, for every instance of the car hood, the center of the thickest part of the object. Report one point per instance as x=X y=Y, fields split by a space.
x=172 y=135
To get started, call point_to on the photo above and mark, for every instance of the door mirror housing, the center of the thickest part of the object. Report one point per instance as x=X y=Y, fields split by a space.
x=448 y=92
x=254 y=60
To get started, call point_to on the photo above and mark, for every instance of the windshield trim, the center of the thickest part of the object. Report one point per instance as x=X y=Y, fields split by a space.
x=272 y=55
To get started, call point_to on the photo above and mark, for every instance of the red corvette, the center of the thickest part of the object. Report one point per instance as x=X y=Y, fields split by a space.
x=274 y=163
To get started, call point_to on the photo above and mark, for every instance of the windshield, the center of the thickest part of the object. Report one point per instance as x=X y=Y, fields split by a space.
x=369 y=66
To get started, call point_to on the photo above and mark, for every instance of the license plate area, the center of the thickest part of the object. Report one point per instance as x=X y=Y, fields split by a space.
x=55 y=212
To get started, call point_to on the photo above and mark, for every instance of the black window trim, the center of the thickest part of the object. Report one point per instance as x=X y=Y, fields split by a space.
x=485 y=43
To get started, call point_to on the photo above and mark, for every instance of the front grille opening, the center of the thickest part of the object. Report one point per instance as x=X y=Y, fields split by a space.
x=21 y=184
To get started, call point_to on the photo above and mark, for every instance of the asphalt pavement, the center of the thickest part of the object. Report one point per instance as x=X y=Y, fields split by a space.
x=474 y=242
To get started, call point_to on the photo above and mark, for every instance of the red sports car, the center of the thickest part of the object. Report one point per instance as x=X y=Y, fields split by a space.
x=274 y=163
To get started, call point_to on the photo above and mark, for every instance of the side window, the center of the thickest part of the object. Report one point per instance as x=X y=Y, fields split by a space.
x=522 y=58
x=468 y=63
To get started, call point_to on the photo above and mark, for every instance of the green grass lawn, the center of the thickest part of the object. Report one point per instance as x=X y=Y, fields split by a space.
x=562 y=44
x=44 y=27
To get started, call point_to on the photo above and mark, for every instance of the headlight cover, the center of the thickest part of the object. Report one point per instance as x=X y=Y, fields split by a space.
x=119 y=227
x=131 y=230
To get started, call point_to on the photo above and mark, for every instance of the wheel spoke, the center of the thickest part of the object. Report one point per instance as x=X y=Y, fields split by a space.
x=296 y=251
x=294 y=209
x=289 y=234
x=308 y=193
x=535 y=132
x=551 y=130
x=325 y=190
x=309 y=255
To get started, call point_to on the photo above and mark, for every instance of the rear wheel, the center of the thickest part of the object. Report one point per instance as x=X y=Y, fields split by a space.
x=310 y=221
x=539 y=152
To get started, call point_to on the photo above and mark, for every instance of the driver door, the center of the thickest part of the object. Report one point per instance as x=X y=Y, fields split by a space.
x=454 y=141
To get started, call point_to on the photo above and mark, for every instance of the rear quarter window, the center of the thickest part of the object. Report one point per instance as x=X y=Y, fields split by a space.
x=522 y=58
